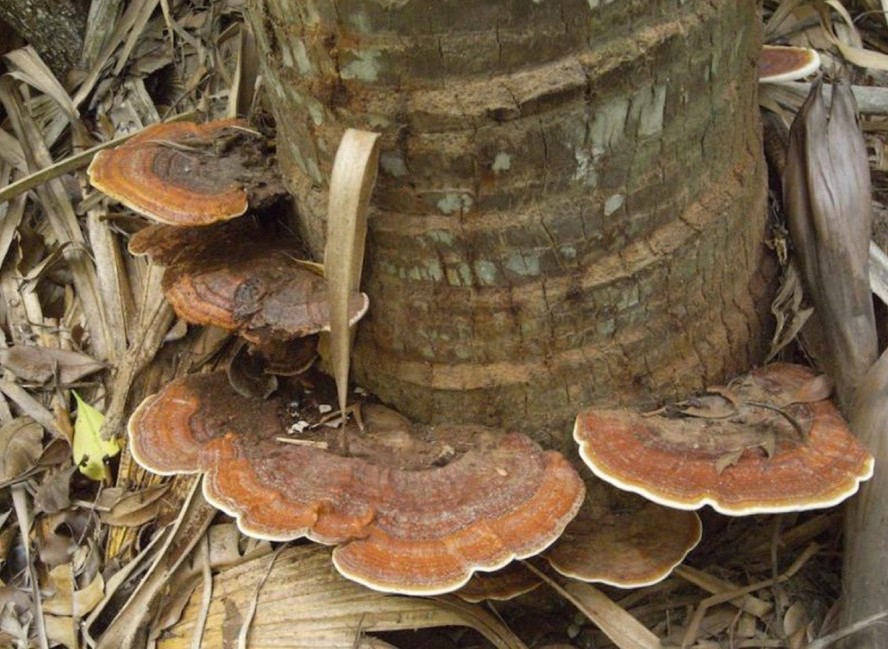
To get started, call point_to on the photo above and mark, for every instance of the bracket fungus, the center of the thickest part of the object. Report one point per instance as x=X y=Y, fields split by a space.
x=412 y=510
x=246 y=277
x=502 y=585
x=257 y=289
x=628 y=547
x=784 y=63
x=183 y=173
x=769 y=442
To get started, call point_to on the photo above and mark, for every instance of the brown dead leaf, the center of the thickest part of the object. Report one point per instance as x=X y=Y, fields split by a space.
x=66 y=605
x=788 y=312
x=769 y=443
x=817 y=389
x=40 y=364
x=61 y=630
x=225 y=546
x=828 y=199
x=58 y=533
x=728 y=459
x=20 y=446
x=14 y=623
x=53 y=493
x=132 y=508
x=66 y=599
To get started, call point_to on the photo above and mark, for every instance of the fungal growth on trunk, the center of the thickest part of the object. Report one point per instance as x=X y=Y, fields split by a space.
x=769 y=442
x=628 y=546
x=255 y=287
x=242 y=275
x=502 y=585
x=188 y=174
x=784 y=63
x=411 y=510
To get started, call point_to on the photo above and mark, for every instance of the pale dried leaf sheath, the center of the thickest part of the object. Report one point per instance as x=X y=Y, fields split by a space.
x=303 y=603
x=826 y=190
x=866 y=522
x=60 y=213
x=351 y=183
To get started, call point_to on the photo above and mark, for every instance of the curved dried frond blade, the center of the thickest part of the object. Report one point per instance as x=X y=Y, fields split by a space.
x=826 y=191
x=354 y=174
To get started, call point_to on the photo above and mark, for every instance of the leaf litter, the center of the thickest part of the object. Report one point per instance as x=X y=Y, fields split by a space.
x=118 y=557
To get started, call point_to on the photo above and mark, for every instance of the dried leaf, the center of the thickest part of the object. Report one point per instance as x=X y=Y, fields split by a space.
x=136 y=507
x=53 y=493
x=354 y=174
x=817 y=389
x=61 y=630
x=303 y=574
x=40 y=364
x=225 y=550
x=90 y=450
x=20 y=446
x=826 y=191
x=788 y=311
x=624 y=630
x=769 y=443
x=728 y=459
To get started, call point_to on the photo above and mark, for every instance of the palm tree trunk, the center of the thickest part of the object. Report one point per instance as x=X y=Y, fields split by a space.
x=570 y=205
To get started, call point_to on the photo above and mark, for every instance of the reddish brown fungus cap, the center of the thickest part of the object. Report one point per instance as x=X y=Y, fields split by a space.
x=627 y=547
x=412 y=510
x=508 y=583
x=781 y=63
x=245 y=277
x=756 y=447
x=259 y=290
x=180 y=173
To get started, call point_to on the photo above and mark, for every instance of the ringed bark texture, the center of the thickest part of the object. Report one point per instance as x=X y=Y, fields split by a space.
x=570 y=207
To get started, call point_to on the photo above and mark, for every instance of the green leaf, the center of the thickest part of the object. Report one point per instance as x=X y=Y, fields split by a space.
x=90 y=450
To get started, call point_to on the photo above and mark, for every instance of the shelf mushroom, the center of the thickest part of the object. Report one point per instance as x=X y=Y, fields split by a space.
x=784 y=63
x=187 y=174
x=629 y=547
x=257 y=290
x=502 y=585
x=241 y=276
x=411 y=510
x=767 y=443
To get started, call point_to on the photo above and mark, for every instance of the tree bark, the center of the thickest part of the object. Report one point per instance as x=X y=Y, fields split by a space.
x=570 y=207
x=53 y=27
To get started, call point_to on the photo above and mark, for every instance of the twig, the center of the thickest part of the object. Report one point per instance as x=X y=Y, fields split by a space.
x=706 y=604
x=251 y=611
x=844 y=632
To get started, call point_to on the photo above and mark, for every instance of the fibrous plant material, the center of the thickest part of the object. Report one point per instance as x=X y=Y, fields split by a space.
x=827 y=195
x=182 y=173
x=412 y=510
x=866 y=522
x=769 y=442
